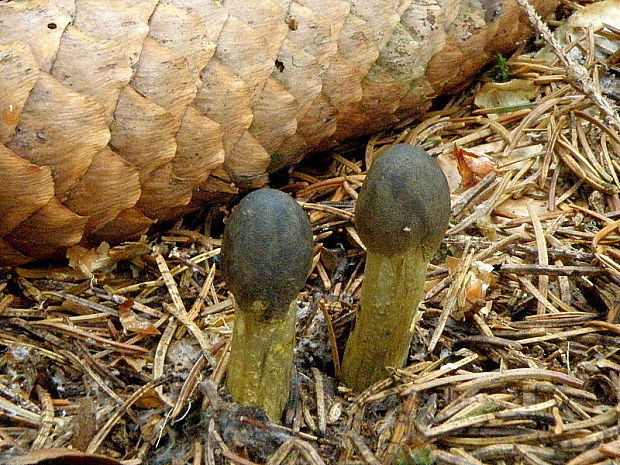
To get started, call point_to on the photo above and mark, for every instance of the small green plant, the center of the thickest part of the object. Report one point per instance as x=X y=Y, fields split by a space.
x=414 y=456
x=501 y=71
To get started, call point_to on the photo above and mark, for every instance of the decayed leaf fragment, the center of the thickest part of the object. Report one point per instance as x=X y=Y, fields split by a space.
x=472 y=166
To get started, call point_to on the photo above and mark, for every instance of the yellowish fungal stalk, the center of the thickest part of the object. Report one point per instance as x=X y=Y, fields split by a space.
x=266 y=258
x=401 y=215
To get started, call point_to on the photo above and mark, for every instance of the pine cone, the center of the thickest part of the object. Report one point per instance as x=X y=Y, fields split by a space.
x=115 y=114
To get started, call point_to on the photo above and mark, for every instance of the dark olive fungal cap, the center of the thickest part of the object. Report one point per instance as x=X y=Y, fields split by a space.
x=404 y=202
x=267 y=250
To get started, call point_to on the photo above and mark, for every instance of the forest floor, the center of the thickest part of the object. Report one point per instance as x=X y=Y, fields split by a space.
x=515 y=357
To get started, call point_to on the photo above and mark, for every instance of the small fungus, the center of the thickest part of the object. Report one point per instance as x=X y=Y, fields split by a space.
x=266 y=257
x=401 y=216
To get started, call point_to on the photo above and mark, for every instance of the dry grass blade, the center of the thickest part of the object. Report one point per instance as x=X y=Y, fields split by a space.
x=543 y=258
x=179 y=311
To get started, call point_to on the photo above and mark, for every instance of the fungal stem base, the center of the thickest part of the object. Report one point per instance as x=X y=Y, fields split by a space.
x=261 y=359
x=391 y=293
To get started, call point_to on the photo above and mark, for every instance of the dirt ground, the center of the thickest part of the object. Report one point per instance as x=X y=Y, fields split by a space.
x=515 y=356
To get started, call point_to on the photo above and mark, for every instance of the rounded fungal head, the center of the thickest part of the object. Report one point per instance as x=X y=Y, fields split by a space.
x=403 y=203
x=267 y=251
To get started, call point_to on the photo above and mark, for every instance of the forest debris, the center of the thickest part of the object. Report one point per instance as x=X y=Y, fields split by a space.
x=506 y=382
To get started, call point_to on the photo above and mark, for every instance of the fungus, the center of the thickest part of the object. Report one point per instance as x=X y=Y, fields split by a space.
x=401 y=216
x=266 y=258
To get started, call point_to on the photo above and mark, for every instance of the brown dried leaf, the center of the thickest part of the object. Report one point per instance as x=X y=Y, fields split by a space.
x=136 y=363
x=472 y=166
x=87 y=260
x=103 y=258
x=132 y=322
x=149 y=400
x=513 y=93
x=85 y=427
